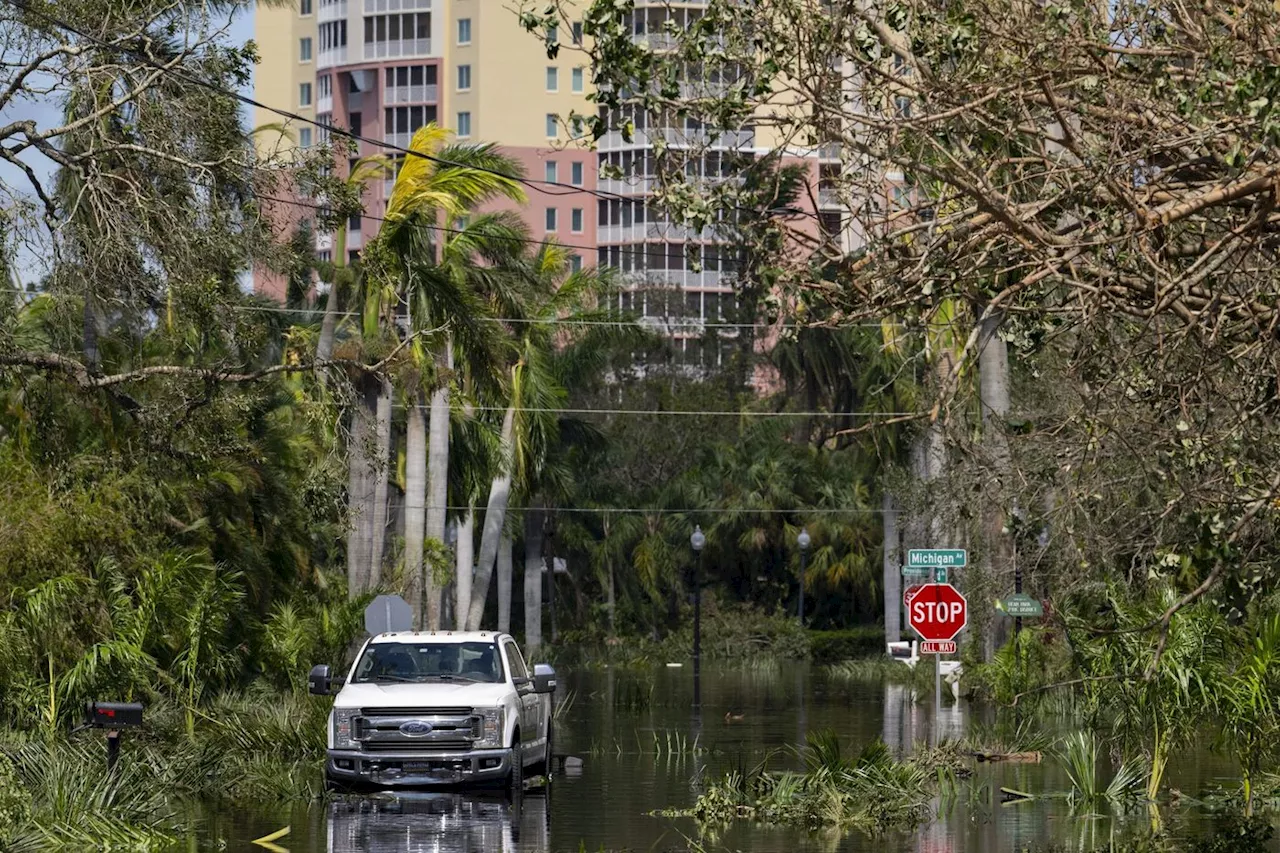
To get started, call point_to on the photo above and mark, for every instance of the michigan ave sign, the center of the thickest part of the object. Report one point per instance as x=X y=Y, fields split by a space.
x=938 y=611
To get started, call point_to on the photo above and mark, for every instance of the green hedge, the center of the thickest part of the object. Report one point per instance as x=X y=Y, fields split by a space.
x=833 y=646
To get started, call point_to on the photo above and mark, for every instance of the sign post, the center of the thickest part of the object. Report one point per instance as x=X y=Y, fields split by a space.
x=938 y=612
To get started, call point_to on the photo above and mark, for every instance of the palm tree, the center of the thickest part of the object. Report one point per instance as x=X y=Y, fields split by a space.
x=548 y=360
x=441 y=182
x=364 y=170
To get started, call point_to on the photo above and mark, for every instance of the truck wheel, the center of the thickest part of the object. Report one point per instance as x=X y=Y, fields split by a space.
x=515 y=779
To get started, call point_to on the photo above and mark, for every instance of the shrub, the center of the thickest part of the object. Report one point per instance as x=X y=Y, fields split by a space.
x=864 y=641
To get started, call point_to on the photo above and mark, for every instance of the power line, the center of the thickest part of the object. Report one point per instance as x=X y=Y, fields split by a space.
x=663 y=510
x=727 y=413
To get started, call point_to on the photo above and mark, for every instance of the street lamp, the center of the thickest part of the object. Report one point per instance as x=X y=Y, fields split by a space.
x=698 y=541
x=803 y=541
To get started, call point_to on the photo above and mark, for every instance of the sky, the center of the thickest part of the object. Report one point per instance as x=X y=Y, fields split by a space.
x=28 y=261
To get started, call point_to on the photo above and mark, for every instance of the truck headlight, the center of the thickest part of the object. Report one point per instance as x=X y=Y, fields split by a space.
x=491 y=721
x=344 y=720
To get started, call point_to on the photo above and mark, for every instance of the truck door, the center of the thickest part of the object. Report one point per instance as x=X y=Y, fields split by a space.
x=532 y=726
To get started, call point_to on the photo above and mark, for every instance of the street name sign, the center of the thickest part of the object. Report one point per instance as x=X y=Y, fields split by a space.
x=938 y=612
x=933 y=558
x=1021 y=605
x=938 y=647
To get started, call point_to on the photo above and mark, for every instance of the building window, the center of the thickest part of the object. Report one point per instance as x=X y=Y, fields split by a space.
x=553 y=79
x=464 y=31
x=355 y=124
x=575 y=263
x=553 y=125
x=304 y=94
x=304 y=50
x=551 y=219
x=353 y=222
x=575 y=220
x=551 y=172
x=464 y=78
x=409 y=84
x=406 y=120
x=902 y=105
x=304 y=137
x=576 y=174
x=333 y=35
x=397 y=35
x=576 y=126
x=324 y=86
x=553 y=35
x=577 y=32
x=464 y=124
x=304 y=7
x=578 y=80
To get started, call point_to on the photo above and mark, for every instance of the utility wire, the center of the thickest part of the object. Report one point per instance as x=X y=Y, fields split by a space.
x=641 y=322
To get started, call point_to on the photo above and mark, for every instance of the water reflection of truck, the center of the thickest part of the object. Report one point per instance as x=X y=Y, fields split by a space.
x=406 y=822
x=422 y=709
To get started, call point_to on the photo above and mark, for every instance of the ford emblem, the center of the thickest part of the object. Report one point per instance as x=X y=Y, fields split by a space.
x=415 y=728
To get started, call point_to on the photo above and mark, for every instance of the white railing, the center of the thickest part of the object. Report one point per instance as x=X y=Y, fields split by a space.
x=324 y=242
x=641 y=231
x=376 y=6
x=394 y=48
x=733 y=139
x=628 y=186
x=355 y=241
x=329 y=57
x=331 y=10
x=399 y=140
x=828 y=198
x=411 y=94
x=324 y=104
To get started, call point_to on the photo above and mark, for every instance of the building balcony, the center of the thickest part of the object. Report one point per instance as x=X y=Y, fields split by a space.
x=410 y=95
x=324 y=104
x=628 y=186
x=373 y=7
x=397 y=49
x=331 y=10
x=678 y=138
x=827 y=197
x=641 y=231
x=329 y=57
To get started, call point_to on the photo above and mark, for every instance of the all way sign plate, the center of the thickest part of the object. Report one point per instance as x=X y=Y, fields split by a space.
x=938 y=647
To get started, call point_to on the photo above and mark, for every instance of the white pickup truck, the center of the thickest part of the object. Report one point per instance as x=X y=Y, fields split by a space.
x=421 y=709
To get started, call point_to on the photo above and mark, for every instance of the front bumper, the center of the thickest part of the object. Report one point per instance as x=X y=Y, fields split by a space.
x=418 y=769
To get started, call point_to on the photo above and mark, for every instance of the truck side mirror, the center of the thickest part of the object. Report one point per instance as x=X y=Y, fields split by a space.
x=320 y=680
x=544 y=678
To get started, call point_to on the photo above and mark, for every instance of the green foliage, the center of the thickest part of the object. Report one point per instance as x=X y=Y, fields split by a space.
x=833 y=646
x=872 y=791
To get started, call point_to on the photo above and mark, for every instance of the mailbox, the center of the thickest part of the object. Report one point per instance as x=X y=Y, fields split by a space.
x=114 y=715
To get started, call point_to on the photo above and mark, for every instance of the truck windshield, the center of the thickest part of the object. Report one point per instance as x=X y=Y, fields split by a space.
x=418 y=662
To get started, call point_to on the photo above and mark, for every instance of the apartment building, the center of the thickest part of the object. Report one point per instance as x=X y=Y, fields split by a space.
x=384 y=68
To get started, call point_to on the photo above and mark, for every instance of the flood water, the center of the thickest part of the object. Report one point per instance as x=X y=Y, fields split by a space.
x=621 y=723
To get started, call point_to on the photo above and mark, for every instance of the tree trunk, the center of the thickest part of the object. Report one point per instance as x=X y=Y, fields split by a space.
x=359 y=491
x=994 y=401
x=466 y=566
x=93 y=329
x=504 y=583
x=533 y=521
x=494 y=517
x=415 y=501
x=437 y=479
x=892 y=571
x=381 y=470
x=329 y=325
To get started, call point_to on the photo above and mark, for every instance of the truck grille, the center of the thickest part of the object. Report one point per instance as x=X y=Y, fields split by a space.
x=381 y=729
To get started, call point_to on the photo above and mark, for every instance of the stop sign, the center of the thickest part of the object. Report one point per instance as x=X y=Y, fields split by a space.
x=938 y=611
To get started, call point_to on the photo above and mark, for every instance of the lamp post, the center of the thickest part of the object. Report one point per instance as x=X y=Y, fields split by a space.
x=698 y=540
x=803 y=541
